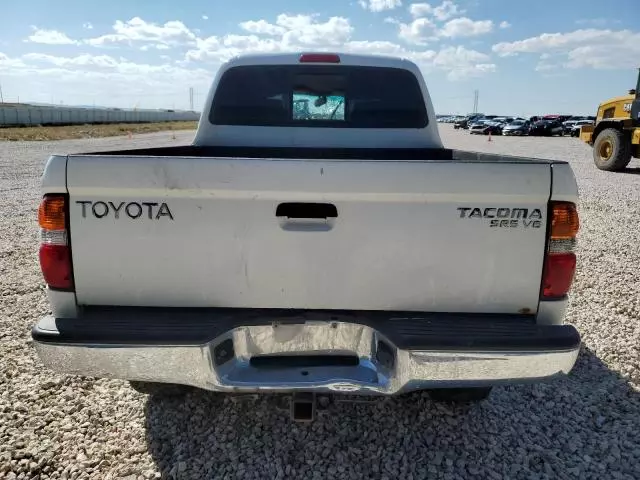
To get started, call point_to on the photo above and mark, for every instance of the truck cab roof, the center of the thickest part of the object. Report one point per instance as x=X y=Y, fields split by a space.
x=354 y=99
x=352 y=59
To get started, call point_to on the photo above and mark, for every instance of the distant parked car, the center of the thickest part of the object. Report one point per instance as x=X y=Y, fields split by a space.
x=476 y=124
x=486 y=128
x=503 y=120
x=517 y=127
x=575 y=129
x=567 y=125
x=465 y=121
x=479 y=121
x=546 y=128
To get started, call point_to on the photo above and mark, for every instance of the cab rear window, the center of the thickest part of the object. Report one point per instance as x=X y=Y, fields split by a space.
x=319 y=96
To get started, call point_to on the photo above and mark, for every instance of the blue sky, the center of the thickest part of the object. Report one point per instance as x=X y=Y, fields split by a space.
x=524 y=57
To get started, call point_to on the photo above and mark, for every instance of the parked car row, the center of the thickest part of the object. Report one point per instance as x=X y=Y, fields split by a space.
x=547 y=125
x=449 y=119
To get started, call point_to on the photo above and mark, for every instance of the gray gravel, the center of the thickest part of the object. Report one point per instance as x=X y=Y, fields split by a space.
x=585 y=426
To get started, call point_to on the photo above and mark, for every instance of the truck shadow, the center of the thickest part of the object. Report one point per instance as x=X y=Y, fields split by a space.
x=575 y=427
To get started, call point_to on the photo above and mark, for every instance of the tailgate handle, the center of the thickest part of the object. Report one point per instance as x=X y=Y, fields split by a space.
x=307 y=210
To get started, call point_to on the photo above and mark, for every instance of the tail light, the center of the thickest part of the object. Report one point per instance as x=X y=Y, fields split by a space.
x=55 y=252
x=560 y=260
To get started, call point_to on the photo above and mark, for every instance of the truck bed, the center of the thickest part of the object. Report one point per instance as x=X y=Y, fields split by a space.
x=313 y=153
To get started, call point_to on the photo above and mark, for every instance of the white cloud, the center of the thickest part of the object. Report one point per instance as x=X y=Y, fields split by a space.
x=119 y=81
x=262 y=27
x=505 y=24
x=465 y=27
x=295 y=32
x=604 y=57
x=379 y=47
x=107 y=80
x=589 y=48
x=205 y=17
x=156 y=46
x=6 y=61
x=420 y=9
x=87 y=26
x=173 y=32
x=106 y=65
x=456 y=62
x=50 y=37
x=425 y=27
x=288 y=33
x=418 y=32
x=462 y=63
x=304 y=30
x=596 y=22
x=84 y=60
x=298 y=32
x=446 y=10
x=561 y=41
x=379 y=5
x=543 y=66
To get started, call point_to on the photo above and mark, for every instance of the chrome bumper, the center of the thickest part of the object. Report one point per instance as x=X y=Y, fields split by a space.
x=226 y=364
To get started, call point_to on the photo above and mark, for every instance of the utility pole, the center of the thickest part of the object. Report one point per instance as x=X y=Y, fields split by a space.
x=1 y=96
x=476 y=94
x=191 y=98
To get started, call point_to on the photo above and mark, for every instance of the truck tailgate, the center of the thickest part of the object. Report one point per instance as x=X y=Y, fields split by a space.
x=437 y=236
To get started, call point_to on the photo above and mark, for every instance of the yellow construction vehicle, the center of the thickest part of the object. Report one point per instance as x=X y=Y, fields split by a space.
x=615 y=136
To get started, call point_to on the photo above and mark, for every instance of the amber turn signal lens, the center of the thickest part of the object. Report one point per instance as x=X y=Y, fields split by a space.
x=564 y=221
x=51 y=214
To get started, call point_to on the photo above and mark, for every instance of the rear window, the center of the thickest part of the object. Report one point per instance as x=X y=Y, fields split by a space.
x=319 y=96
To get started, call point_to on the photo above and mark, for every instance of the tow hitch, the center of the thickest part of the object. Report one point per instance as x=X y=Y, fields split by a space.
x=303 y=407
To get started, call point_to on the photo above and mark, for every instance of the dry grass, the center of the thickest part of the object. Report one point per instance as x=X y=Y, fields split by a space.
x=89 y=131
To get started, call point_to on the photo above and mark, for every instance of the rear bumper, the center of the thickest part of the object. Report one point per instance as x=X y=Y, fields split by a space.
x=283 y=351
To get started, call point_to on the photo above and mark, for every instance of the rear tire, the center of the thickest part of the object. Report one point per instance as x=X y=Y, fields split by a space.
x=611 y=150
x=460 y=395
x=160 y=389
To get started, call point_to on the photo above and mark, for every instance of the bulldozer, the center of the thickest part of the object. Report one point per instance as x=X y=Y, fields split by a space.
x=615 y=136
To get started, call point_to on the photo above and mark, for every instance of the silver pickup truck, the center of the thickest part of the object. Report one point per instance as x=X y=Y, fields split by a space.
x=315 y=237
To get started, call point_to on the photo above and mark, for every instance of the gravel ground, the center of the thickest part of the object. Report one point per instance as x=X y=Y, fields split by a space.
x=584 y=426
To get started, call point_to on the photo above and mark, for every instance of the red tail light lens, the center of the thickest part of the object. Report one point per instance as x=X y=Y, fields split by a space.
x=55 y=262
x=559 y=270
x=319 y=58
